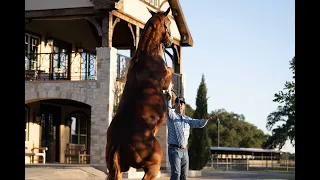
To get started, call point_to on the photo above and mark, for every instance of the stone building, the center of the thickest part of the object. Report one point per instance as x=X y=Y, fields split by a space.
x=73 y=66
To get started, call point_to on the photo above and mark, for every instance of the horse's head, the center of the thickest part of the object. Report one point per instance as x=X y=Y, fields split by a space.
x=161 y=23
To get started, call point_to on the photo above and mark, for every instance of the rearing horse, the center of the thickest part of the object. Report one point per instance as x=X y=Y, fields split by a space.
x=131 y=138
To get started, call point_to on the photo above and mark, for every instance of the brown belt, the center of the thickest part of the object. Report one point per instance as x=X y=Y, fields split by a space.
x=177 y=146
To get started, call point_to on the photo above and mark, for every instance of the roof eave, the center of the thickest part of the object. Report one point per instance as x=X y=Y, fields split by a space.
x=186 y=38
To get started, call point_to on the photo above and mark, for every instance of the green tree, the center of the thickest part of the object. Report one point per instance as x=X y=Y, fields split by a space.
x=285 y=114
x=234 y=131
x=199 y=151
x=189 y=111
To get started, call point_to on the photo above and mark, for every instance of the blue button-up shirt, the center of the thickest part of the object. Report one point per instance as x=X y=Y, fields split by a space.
x=179 y=127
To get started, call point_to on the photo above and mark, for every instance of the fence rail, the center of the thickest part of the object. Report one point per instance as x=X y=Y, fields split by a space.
x=60 y=66
x=256 y=163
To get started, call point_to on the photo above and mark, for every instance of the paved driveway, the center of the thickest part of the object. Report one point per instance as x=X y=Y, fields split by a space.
x=245 y=175
x=241 y=175
x=89 y=173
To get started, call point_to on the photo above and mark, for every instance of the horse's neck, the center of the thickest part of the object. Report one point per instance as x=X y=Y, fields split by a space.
x=150 y=43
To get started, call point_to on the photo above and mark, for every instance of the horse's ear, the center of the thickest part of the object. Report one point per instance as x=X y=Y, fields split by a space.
x=151 y=12
x=167 y=12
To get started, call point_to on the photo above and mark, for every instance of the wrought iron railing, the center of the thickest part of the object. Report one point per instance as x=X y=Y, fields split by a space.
x=60 y=66
x=122 y=67
x=177 y=81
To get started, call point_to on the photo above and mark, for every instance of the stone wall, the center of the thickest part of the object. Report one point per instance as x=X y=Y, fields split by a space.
x=98 y=94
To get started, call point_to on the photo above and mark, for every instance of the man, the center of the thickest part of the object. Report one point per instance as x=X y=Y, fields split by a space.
x=178 y=134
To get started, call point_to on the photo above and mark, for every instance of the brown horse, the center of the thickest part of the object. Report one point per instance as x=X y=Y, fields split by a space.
x=131 y=138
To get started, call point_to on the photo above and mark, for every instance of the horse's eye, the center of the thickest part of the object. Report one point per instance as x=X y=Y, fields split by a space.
x=165 y=25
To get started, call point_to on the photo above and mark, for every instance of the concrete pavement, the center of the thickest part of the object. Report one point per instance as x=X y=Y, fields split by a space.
x=90 y=173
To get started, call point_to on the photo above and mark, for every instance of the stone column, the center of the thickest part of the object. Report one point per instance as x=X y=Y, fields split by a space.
x=162 y=137
x=101 y=110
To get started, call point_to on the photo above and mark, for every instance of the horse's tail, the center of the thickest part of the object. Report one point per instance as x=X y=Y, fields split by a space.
x=114 y=162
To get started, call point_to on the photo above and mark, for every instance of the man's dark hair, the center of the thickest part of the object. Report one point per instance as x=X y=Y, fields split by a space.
x=181 y=100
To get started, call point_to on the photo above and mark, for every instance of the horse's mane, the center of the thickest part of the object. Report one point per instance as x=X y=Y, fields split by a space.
x=146 y=46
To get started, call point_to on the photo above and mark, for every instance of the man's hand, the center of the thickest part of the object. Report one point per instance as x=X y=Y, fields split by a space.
x=210 y=118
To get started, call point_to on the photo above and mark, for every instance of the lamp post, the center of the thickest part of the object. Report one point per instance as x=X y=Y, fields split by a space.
x=218 y=122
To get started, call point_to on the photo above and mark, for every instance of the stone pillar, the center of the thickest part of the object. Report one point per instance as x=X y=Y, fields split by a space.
x=162 y=137
x=101 y=110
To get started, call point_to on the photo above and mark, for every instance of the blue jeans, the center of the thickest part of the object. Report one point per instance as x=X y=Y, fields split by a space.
x=179 y=162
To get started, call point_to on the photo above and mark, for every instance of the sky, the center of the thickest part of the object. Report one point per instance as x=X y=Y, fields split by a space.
x=243 y=48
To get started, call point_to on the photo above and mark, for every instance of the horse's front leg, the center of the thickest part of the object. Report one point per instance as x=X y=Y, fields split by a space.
x=153 y=164
x=160 y=122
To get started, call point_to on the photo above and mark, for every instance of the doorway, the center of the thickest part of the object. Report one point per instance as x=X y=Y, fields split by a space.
x=50 y=119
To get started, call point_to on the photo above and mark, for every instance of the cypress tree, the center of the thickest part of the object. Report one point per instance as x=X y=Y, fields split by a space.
x=199 y=151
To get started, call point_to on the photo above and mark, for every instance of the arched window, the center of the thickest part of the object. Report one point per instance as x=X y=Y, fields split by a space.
x=79 y=129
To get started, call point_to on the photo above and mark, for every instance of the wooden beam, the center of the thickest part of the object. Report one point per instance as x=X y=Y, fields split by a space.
x=177 y=53
x=177 y=59
x=115 y=22
x=133 y=36
x=107 y=30
x=60 y=12
x=95 y=23
x=128 y=18
x=103 y=4
x=137 y=36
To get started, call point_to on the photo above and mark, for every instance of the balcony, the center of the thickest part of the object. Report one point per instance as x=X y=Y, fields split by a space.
x=68 y=66
x=77 y=66
x=60 y=66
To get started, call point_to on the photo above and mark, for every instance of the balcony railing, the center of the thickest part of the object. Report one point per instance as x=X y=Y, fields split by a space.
x=122 y=67
x=76 y=66
x=60 y=66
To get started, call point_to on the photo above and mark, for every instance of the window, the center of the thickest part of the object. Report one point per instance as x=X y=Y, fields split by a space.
x=61 y=59
x=153 y=2
x=89 y=67
x=31 y=48
x=79 y=129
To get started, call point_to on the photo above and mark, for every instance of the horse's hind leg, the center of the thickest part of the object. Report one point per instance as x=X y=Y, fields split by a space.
x=114 y=164
x=153 y=164
x=151 y=172
x=114 y=175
